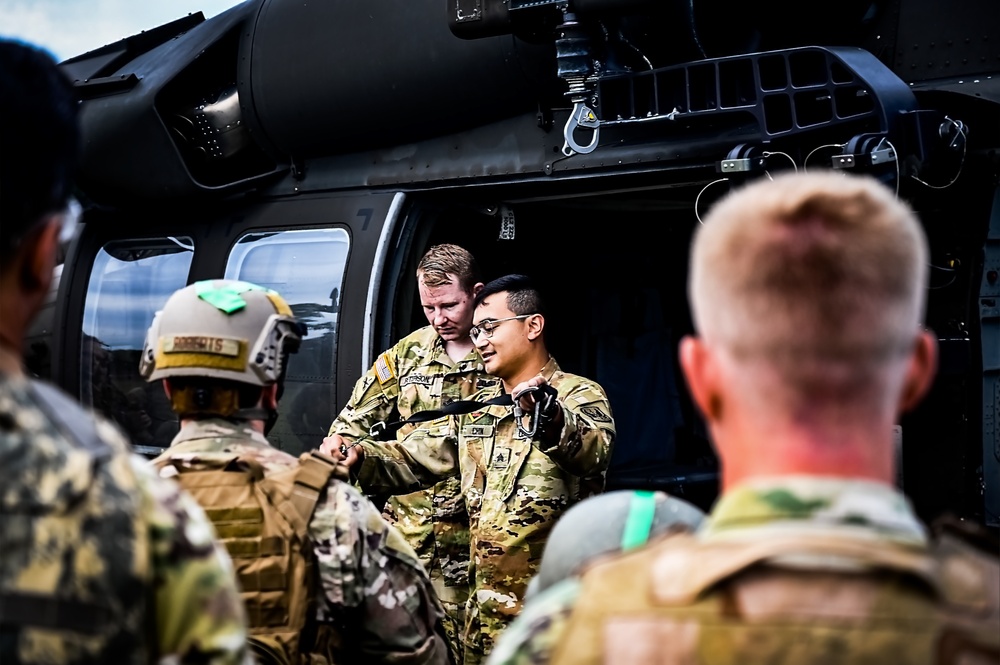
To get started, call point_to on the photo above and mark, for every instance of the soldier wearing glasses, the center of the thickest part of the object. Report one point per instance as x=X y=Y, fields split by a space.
x=516 y=483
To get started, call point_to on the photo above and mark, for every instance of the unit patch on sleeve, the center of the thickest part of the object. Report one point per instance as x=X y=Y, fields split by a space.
x=596 y=413
x=382 y=370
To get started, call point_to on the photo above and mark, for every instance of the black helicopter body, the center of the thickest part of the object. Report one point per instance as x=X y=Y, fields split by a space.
x=320 y=148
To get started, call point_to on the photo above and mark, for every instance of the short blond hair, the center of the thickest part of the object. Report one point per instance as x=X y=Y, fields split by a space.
x=810 y=272
x=443 y=261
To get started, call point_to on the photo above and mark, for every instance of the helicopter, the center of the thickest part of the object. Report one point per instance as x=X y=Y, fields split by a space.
x=320 y=148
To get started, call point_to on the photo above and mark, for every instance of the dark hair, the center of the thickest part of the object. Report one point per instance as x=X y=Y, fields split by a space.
x=523 y=296
x=40 y=140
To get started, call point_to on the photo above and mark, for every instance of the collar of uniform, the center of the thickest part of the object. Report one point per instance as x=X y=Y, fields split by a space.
x=10 y=362
x=470 y=363
x=217 y=433
x=549 y=370
x=863 y=508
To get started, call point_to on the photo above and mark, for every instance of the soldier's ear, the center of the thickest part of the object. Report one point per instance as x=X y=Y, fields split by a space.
x=269 y=396
x=535 y=324
x=477 y=288
x=920 y=371
x=700 y=372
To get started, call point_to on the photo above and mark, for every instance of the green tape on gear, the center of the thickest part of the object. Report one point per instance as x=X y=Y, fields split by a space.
x=639 y=522
x=227 y=298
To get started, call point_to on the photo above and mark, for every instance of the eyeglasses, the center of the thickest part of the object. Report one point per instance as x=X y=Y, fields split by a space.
x=487 y=327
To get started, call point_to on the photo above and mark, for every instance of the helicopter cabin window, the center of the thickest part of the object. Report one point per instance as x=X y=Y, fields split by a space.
x=129 y=282
x=306 y=267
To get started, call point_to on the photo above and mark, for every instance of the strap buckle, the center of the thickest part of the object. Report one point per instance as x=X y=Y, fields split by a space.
x=377 y=430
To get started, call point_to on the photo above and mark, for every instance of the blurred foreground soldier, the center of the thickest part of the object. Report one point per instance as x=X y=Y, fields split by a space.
x=323 y=577
x=808 y=295
x=607 y=524
x=100 y=560
x=430 y=367
x=519 y=473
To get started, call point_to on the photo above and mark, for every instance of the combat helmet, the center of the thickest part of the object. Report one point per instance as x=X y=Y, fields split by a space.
x=223 y=330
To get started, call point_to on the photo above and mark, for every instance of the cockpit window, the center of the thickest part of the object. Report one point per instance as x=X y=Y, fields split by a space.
x=306 y=267
x=129 y=282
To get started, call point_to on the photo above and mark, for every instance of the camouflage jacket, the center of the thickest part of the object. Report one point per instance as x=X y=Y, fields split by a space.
x=417 y=375
x=786 y=570
x=370 y=580
x=125 y=563
x=514 y=489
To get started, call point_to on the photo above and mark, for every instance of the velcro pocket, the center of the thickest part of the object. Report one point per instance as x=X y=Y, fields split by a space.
x=504 y=467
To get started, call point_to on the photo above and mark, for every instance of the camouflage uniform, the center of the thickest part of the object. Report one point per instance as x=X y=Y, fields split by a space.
x=130 y=560
x=419 y=375
x=786 y=570
x=372 y=588
x=514 y=489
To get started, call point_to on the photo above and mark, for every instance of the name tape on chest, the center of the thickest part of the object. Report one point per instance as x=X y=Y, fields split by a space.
x=383 y=371
x=418 y=380
x=477 y=431
x=596 y=414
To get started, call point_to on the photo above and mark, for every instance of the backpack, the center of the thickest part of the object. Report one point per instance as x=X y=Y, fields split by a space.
x=72 y=589
x=262 y=519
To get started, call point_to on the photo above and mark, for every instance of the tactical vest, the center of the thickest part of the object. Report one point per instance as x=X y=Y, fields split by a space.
x=73 y=580
x=263 y=522
x=791 y=599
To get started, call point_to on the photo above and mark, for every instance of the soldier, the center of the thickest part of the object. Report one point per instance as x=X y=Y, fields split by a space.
x=323 y=577
x=100 y=560
x=518 y=474
x=808 y=294
x=427 y=369
x=606 y=523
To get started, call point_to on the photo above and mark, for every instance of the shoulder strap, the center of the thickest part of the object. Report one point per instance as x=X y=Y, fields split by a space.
x=381 y=431
x=686 y=566
x=311 y=478
x=73 y=422
x=639 y=522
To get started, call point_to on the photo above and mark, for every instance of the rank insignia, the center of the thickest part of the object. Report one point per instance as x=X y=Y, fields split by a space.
x=501 y=458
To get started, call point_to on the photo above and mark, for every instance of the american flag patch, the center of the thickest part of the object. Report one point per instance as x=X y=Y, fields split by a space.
x=382 y=369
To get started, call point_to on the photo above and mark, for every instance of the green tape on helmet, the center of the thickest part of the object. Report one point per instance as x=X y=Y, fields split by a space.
x=227 y=298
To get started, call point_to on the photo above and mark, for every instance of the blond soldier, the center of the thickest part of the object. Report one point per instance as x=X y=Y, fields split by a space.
x=808 y=295
x=427 y=369
x=100 y=560
x=518 y=477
